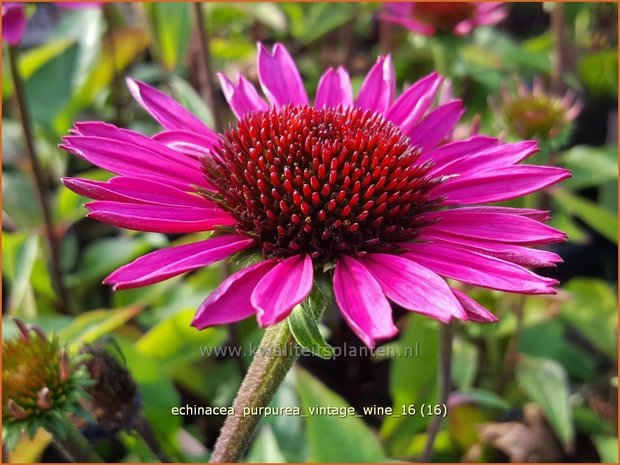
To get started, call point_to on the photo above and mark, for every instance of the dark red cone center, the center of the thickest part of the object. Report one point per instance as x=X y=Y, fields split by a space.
x=322 y=181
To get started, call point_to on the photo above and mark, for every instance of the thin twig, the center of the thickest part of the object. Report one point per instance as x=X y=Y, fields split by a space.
x=39 y=182
x=206 y=79
x=445 y=368
x=142 y=426
x=117 y=83
x=559 y=48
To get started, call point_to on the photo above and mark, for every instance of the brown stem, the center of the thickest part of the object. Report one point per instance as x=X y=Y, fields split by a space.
x=445 y=368
x=207 y=82
x=39 y=182
x=559 y=48
x=144 y=429
x=274 y=357
x=117 y=84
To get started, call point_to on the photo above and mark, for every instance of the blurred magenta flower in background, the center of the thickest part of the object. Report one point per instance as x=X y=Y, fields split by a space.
x=365 y=187
x=430 y=18
x=14 y=20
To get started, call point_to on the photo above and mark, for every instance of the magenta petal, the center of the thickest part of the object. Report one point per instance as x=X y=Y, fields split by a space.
x=475 y=311
x=497 y=156
x=14 y=22
x=243 y=97
x=494 y=226
x=283 y=287
x=411 y=106
x=458 y=149
x=334 y=89
x=538 y=215
x=518 y=254
x=413 y=287
x=130 y=160
x=166 y=263
x=478 y=269
x=279 y=77
x=158 y=218
x=191 y=144
x=167 y=111
x=377 y=91
x=231 y=300
x=362 y=302
x=437 y=125
x=135 y=190
x=500 y=184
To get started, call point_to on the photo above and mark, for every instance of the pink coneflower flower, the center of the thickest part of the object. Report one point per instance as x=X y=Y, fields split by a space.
x=14 y=19
x=430 y=18
x=362 y=189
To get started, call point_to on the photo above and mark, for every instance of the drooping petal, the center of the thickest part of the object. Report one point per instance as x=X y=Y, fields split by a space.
x=517 y=254
x=167 y=111
x=437 y=125
x=493 y=226
x=14 y=22
x=477 y=269
x=538 y=215
x=413 y=286
x=334 y=89
x=135 y=190
x=230 y=302
x=362 y=302
x=279 y=77
x=284 y=286
x=165 y=263
x=475 y=311
x=243 y=97
x=411 y=106
x=155 y=218
x=500 y=184
x=377 y=91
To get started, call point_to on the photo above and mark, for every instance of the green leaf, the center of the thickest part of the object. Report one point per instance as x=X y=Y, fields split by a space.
x=332 y=438
x=598 y=218
x=483 y=398
x=318 y=19
x=19 y=200
x=413 y=380
x=592 y=310
x=18 y=259
x=93 y=325
x=545 y=382
x=607 y=447
x=267 y=13
x=189 y=98
x=265 y=448
x=174 y=341
x=599 y=71
x=465 y=363
x=305 y=318
x=590 y=166
x=171 y=26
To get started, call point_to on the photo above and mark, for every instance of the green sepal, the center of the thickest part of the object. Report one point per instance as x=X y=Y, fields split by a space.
x=305 y=317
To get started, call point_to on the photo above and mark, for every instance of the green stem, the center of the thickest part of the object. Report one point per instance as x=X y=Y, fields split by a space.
x=274 y=357
x=39 y=180
x=74 y=446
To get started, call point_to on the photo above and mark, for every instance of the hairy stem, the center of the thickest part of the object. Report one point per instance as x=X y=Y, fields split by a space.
x=274 y=357
x=207 y=82
x=74 y=446
x=39 y=180
x=445 y=368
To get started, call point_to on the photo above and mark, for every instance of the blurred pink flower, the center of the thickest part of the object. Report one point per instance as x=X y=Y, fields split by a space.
x=361 y=188
x=14 y=19
x=430 y=18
